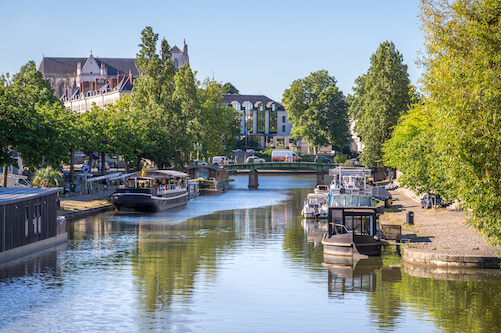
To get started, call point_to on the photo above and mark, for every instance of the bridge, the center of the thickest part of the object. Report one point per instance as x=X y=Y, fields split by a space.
x=320 y=168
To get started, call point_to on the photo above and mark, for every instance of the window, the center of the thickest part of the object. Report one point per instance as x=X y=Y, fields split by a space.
x=283 y=128
x=39 y=218
x=35 y=220
x=26 y=222
x=283 y=119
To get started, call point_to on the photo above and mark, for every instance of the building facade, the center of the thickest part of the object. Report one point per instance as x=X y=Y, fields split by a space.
x=261 y=119
x=80 y=82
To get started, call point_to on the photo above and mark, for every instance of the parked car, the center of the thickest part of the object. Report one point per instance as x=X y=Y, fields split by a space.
x=255 y=158
x=237 y=150
x=250 y=151
x=324 y=159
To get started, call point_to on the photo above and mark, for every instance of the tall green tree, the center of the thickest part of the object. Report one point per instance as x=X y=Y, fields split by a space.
x=219 y=123
x=317 y=110
x=160 y=117
x=380 y=97
x=413 y=149
x=463 y=81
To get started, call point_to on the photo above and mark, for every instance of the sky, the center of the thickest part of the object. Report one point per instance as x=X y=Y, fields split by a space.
x=261 y=47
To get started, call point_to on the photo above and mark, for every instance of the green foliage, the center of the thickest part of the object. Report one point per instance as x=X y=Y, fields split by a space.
x=228 y=88
x=317 y=110
x=47 y=177
x=380 y=97
x=33 y=122
x=340 y=158
x=463 y=80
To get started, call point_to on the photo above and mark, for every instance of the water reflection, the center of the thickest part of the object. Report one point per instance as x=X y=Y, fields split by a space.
x=249 y=263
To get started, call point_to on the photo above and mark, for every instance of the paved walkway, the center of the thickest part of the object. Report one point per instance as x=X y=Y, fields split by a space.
x=439 y=233
x=85 y=201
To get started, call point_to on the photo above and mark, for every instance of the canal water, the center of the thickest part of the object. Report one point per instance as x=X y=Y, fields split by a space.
x=243 y=261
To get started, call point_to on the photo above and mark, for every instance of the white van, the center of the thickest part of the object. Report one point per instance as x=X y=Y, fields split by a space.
x=220 y=160
x=284 y=155
x=16 y=180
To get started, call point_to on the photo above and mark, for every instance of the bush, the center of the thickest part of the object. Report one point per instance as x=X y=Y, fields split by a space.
x=341 y=158
x=47 y=177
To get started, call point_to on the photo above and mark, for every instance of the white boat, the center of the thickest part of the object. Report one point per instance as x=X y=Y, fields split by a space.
x=316 y=206
x=323 y=189
x=152 y=190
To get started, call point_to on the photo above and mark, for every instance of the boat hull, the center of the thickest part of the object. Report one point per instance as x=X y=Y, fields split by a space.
x=349 y=244
x=145 y=202
x=213 y=187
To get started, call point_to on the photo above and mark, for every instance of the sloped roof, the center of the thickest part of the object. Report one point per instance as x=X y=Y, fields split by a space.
x=68 y=66
x=175 y=49
x=229 y=98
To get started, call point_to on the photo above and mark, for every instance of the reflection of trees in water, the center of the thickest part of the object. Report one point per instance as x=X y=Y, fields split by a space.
x=172 y=258
x=453 y=305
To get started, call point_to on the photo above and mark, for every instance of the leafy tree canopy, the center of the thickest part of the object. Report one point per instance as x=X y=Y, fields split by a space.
x=317 y=110
x=380 y=97
x=463 y=81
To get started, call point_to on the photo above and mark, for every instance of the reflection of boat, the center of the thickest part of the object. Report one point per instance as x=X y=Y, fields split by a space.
x=351 y=274
x=316 y=206
x=152 y=190
x=352 y=218
x=314 y=229
x=212 y=179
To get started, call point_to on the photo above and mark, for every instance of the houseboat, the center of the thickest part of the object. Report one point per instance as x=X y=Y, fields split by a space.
x=352 y=217
x=152 y=190
x=212 y=179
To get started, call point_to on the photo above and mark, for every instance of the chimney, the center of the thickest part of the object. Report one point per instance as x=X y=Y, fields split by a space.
x=131 y=78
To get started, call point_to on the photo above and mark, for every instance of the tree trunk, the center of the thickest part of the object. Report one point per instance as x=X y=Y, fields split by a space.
x=72 y=166
x=4 y=181
x=126 y=164
x=103 y=163
x=91 y=155
x=138 y=165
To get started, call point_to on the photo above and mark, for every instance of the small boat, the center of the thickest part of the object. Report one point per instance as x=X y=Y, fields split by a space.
x=316 y=206
x=352 y=227
x=152 y=190
x=323 y=189
x=212 y=179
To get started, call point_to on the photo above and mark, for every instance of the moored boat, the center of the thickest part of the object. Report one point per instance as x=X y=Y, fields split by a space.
x=352 y=227
x=316 y=206
x=212 y=179
x=152 y=190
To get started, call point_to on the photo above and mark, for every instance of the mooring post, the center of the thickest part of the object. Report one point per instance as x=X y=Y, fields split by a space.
x=320 y=177
x=253 y=180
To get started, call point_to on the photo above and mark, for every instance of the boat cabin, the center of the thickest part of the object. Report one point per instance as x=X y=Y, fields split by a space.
x=157 y=180
x=350 y=180
x=208 y=172
x=356 y=220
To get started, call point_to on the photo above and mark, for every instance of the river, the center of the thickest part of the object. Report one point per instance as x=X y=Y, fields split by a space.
x=242 y=261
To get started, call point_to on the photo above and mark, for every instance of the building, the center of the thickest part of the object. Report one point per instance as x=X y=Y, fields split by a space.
x=28 y=221
x=80 y=82
x=262 y=119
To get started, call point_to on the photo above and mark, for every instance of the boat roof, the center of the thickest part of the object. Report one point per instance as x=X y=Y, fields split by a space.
x=152 y=174
x=10 y=195
x=349 y=171
x=317 y=195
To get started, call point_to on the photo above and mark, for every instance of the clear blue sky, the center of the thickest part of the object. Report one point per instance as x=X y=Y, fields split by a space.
x=259 y=46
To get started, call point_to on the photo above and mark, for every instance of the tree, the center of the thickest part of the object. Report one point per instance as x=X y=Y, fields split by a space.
x=160 y=118
x=219 y=123
x=228 y=88
x=34 y=122
x=463 y=81
x=413 y=150
x=317 y=110
x=47 y=177
x=380 y=97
